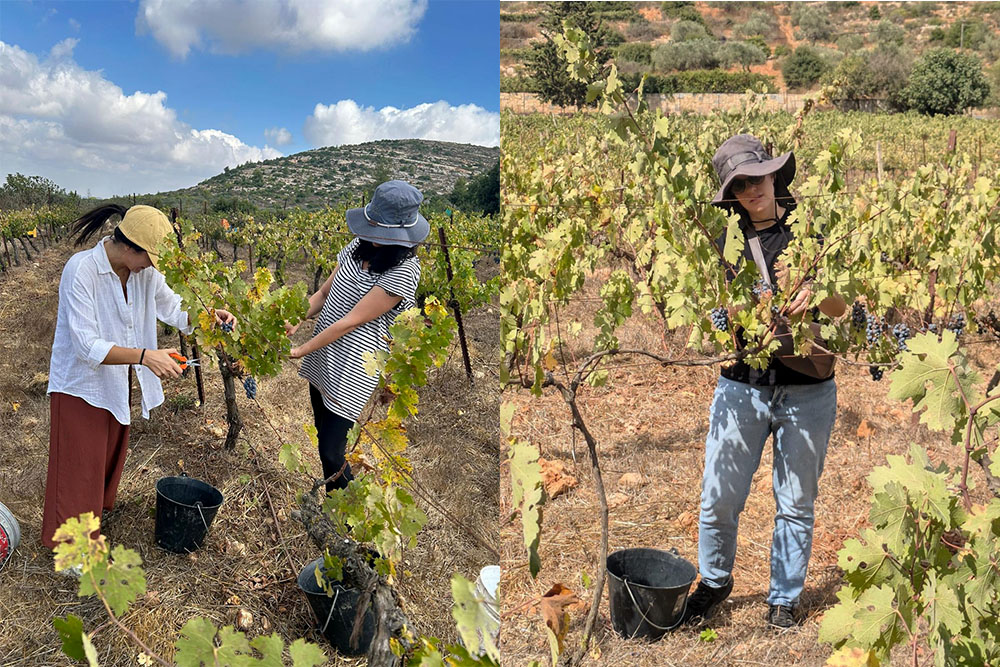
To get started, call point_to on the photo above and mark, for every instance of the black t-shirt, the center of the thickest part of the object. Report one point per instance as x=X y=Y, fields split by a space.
x=773 y=242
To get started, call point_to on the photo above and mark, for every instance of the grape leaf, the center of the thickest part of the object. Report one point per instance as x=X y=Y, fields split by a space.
x=944 y=606
x=70 y=631
x=865 y=563
x=475 y=625
x=75 y=546
x=196 y=644
x=926 y=377
x=873 y=611
x=528 y=496
x=838 y=621
x=121 y=580
x=853 y=657
x=271 y=648
x=305 y=654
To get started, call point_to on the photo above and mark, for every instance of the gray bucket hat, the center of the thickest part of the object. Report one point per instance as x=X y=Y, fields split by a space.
x=392 y=217
x=744 y=155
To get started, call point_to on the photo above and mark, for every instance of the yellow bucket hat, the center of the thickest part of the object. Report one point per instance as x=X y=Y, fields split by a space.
x=146 y=227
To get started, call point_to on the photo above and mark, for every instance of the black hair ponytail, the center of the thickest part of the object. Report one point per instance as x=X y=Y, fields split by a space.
x=91 y=222
x=382 y=258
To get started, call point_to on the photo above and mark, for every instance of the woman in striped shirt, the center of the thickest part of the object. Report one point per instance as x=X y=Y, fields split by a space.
x=375 y=280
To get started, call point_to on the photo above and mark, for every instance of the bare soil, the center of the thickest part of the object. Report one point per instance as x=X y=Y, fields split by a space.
x=243 y=563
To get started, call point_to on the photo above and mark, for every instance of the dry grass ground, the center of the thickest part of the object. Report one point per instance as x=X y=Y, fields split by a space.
x=242 y=564
x=650 y=423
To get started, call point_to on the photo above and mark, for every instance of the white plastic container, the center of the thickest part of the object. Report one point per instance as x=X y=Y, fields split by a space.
x=10 y=534
x=487 y=584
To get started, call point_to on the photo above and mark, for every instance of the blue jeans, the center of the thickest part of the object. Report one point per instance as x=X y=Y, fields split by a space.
x=742 y=417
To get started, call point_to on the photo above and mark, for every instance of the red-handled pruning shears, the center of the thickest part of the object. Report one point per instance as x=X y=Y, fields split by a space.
x=184 y=361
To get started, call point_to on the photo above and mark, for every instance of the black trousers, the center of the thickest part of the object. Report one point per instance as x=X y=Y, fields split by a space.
x=331 y=429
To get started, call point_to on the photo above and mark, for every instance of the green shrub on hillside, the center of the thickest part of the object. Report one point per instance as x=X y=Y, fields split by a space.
x=803 y=68
x=685 y=11
x=813 y=22
x=702 y=81
x=637 y=52
x=876 y=74
x=760 y=24
x=970 y=36
x=888 y=33
x=743 y=54
x=682 y=56
x=944 y=81
x=688 y=31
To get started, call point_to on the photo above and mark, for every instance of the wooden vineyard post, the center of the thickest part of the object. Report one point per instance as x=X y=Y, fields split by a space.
x=952 y=140
x=454 y=303
x=878 y=160
x=194 y=341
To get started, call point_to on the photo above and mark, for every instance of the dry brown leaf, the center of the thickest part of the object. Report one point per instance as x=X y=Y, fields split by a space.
x=244 y=619
x=554 y=607
x=630 y=479
x=549 y=363
x=555 y=477
x=865 y=429
x=233 y=600
x=900 y=414
x=687 y=519
x=616 y=500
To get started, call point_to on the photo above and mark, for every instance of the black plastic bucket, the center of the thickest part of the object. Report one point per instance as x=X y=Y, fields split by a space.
x=648 y=591
x=336 y=613
x=185 y=508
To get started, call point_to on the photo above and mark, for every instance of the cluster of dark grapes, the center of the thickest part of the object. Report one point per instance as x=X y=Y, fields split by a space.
x=760 y=287
x=901 y=332
x=957 y=324
x=858 y=315
x=720 y=318
x=885 y=256
x=250 y=385
x=876 y=372
x=226 y=326
x=932 y=327
x=873 y=329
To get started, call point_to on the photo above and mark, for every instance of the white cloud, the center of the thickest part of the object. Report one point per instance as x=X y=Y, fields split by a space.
x=64 y=49
x=74 y=126
x=278 y=136
x=345 y=122
x=75 y=25
x=235 y=26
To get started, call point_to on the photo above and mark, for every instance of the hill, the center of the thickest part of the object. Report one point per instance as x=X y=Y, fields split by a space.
x=313 y=179
x=834 y=29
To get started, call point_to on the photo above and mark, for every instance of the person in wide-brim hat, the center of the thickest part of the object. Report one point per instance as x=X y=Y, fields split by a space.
x=752 y=405
x=375 y=280
x=744 y=156
x=392 y=217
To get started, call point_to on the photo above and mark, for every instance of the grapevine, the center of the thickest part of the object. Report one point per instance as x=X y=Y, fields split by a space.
x=628 y=197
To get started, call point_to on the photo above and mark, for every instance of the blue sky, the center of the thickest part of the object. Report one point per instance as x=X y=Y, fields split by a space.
x=122 y=96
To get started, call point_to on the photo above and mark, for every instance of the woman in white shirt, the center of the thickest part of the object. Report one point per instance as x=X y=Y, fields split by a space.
x=375 y=280
x=109 y=303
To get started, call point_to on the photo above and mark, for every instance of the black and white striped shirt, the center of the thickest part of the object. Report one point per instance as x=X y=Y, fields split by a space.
x=338 y=369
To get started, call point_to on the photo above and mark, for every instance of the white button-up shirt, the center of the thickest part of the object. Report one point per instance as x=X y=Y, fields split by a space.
x=94 y=316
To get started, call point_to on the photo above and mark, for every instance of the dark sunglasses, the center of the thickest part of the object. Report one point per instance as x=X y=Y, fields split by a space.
x=739 y=185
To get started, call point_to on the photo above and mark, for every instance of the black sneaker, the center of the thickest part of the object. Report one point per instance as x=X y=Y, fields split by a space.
x=781 y=617
x=704 y=601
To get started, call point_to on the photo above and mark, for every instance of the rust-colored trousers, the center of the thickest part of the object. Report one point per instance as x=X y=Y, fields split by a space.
x=87 y=449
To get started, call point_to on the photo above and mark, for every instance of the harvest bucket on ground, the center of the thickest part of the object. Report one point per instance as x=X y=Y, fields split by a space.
x=336 y=613
x=648 y=591
x=185 y=508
